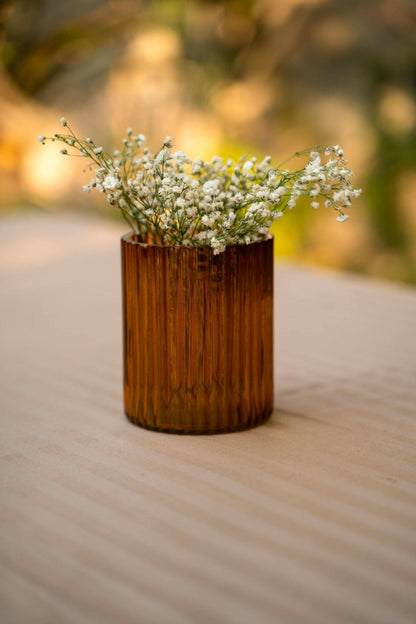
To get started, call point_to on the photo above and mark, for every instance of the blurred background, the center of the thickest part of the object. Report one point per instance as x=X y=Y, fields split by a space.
x=260 y=76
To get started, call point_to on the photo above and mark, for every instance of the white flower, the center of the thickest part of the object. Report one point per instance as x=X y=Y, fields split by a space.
x=277 y=194
x=218 y=246
x=110 y=182
x=313 y=166
x=342 y=197
x=191 y=212
x=179 y=157
x=211 y=187
x=63 y=121
x=197 y=166
x=208 y=220
x=230 y=219
x=342 y=217
x=41 y=138
x=216 y=160
x=213 y=203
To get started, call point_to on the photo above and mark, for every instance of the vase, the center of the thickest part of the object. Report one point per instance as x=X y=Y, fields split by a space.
x=198 y=336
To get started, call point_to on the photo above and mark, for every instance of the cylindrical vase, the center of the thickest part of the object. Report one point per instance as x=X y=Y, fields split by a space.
x=198 y=336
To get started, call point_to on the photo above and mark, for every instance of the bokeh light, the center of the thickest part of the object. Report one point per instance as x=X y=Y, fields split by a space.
x=261 y=76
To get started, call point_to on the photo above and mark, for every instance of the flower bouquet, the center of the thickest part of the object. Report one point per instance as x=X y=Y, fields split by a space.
x=197 y=268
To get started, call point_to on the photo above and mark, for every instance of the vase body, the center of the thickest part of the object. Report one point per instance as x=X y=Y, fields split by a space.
x=198 y=336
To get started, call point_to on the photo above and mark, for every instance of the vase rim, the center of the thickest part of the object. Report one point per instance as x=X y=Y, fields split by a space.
x=127 y=238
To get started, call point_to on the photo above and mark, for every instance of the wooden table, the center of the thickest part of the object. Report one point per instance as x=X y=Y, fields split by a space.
x=309 y=518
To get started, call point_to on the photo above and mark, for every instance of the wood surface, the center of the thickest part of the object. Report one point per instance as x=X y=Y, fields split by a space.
x=309 y=518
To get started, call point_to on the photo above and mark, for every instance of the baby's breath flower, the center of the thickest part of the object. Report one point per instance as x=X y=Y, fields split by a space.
x=218 y=246
x=211 y=187
x=238 y=197
x=214 y=203
x=63 y=121
x=179 y=157
x=342 y=217
x=110 y=182
x=41 y=138
x=276 y=194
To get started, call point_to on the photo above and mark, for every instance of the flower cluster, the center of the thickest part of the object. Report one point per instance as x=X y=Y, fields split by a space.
x=217 y=203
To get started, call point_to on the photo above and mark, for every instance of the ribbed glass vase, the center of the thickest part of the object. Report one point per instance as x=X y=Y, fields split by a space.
x=198 y=336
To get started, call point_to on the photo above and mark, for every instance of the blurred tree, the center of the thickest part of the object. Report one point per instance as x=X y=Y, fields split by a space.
x=244 y=75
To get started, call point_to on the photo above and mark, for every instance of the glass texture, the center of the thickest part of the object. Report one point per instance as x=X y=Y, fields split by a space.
x=198 y=336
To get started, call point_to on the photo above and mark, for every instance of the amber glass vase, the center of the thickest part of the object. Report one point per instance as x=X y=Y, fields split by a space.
x=198 y=336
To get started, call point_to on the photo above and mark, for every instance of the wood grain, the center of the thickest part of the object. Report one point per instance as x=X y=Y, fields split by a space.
x=309 y=518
